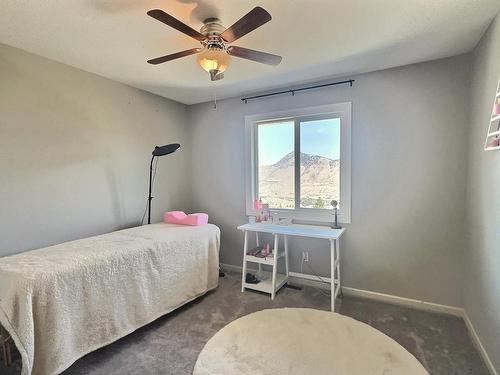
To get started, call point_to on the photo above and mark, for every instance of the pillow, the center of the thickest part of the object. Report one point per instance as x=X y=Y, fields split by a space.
x=180 y=217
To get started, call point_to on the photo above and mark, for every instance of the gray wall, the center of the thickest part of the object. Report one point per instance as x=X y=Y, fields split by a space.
x=482 y=255
x=408 y=178
x=74 y=153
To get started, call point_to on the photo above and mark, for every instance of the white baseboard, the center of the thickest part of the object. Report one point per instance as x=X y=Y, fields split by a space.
x=479 y=345
x=403 y=301
x=311 y=280
x=230 y=267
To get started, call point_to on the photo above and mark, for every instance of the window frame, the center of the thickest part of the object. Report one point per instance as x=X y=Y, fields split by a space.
x=338 y=110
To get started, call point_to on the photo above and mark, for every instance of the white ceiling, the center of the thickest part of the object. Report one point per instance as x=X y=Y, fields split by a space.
x=317 y=38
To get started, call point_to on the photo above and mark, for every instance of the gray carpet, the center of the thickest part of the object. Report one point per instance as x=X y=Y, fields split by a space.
x=171 y=344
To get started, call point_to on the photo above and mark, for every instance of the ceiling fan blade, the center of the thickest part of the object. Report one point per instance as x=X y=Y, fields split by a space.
x=249 y=22
x=250 y=54
x=174 y=56
x=167 y=19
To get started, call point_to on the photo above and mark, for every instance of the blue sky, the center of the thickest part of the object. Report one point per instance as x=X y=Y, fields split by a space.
x=320 y=137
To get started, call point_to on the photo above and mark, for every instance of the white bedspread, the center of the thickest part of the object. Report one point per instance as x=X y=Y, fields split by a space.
x=62 y=302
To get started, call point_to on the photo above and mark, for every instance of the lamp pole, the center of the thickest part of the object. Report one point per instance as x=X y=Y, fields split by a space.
x=150 y=198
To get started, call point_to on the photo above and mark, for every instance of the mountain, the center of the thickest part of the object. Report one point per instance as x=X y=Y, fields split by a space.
x=319 y=178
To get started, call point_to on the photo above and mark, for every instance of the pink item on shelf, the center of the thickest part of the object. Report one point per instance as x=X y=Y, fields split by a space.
x=180 y=217
x=266 y=251
x=496 y=109
x=495 y=142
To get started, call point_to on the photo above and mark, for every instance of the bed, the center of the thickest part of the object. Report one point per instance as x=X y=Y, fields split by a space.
x=64 y=301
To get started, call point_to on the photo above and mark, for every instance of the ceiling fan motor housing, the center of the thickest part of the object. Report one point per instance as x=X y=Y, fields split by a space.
x=212 y=28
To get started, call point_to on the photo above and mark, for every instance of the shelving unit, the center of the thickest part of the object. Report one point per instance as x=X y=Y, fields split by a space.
x=270 y=282
x=493 y=136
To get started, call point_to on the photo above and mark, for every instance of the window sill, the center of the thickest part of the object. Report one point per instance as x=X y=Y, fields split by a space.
x=309 y=215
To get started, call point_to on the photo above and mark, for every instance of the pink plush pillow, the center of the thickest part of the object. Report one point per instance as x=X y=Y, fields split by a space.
x=179 y=217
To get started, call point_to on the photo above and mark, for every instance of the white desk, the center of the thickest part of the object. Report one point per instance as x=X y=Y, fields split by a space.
x=278 y=280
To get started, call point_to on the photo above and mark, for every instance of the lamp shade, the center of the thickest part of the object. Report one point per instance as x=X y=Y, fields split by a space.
x=213 y=59
x=165 y=150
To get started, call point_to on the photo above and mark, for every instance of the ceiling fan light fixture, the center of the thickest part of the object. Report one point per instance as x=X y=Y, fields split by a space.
x=215 y=55
x=213 y=59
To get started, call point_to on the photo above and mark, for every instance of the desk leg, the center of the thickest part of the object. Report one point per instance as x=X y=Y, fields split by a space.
x=286 y=255
x=275 y=265
x=337 y=259
x=258 y=244
x=332 y=272
x=244 y=270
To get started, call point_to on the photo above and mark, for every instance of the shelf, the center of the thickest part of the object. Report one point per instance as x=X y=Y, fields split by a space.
x=492 y=148
x=267 y=260
x=495 y=118
x=265 y=284
x=492 y=134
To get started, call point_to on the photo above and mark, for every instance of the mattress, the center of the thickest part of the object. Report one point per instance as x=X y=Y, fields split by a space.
x=62 y=302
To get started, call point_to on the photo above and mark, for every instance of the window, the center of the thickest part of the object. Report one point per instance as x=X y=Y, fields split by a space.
x=299 y=161
x=276 y=160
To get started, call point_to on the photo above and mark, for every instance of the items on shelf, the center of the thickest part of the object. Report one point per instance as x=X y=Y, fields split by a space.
x=255 y=251
x=275 y=220
x=496 y=106
x=263 y=214
x=261 y=252
x=251 y=279
x=267 y=251
x=493 y=142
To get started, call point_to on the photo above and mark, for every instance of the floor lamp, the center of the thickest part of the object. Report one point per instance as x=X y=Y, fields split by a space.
x=157 y=152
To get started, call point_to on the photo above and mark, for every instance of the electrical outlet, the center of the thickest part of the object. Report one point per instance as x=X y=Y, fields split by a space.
x=305 y=256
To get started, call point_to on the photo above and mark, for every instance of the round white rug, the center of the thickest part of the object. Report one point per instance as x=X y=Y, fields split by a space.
x=303 y=341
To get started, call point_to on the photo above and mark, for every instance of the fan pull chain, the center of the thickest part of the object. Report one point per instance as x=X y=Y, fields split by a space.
x=215 y=98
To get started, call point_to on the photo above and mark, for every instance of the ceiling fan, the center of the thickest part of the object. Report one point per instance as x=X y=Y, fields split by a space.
x=214 y=55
